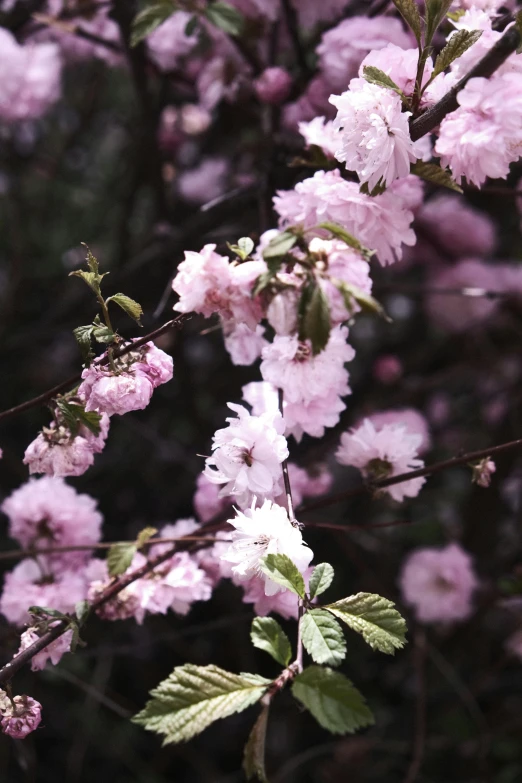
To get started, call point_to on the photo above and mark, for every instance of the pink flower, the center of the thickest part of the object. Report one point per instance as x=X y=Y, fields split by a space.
x=321 y=133
x=342 y=265
x=483 y=471
x=481 y=138
x=284 y=602
x=439 y=584
x=19 y=717
x=273 y=85
x=53 y=652
x=30 y=78
x=55 y=453
x=47 y=512
x=207 y=500
x=205 y=182
x=95 y=22
x=410 y=189
x=247 y=455
x=343 y=48
x=458 y=227
x=130 y=388
x=410 y=418
x=30 y=585
x=382 y=452
x=381 y=223
x=242 y=343
x=168 y=44
x=374 y=133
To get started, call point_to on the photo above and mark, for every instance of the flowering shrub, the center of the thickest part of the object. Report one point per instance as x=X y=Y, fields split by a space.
x=308 y=186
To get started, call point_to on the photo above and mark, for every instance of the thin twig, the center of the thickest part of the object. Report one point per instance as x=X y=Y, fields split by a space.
x=67 y=384
x=429 y=470
x=419 y=654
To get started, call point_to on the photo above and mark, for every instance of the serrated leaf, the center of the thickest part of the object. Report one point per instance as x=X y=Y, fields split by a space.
x=92 y=279
x=130 y=306
x=409 y=11
x=120 y=557
x=149 y=19
x=459 y=43
x=83 y=336
x=322 y=639
x=315 y=323
x=68 y=416
x=226 y=17
x=89 y=419
x=321 y=579
x=376 y=76
x=103 y=334
x=279 y=245
x=432 y=172
x=92 y=261
x=193 y=697
x=266 y=634
x=366 y=302
x=332 y=699
x=375 y=618
x=144 y=536
x=340 y=233
x=436 y=11
x=254 y=753
x=285 y=573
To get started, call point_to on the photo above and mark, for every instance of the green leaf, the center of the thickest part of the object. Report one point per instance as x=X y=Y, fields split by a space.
x=321 y=579
x=436 y=11
x=376 y=76
x=282 y=571
x=323 y=639
x=267 y=635
x=132 y=308
x=226 y=17
x=193 y=697
x=120 y=557
x=144 y=536
x=68 y=416
x=332 y=699
x=375 y=618
x=246 y=245
x=348 y=239
x=377 y=189
x=92 y=280
x=432 y=172
x=366 y=302
x=315 y=323
x=83 y=336
x=455 y=48
x=254 y=753
x=279 y=245
x=81 y=610
x=103 y=334
x=149 y=19
x=89 y=419
x=409 y=11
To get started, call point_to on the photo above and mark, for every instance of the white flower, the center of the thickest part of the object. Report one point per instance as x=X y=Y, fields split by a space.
x=248 y=455
x=264 y=531
x=374 y=133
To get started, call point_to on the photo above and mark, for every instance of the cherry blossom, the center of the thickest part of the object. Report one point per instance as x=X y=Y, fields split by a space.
x=56 y=453
x=53 y=652
x=19 y=716
x=273 y=85
x=439 y=584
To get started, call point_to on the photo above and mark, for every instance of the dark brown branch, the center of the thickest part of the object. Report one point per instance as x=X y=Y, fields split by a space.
x=486 y=67
x=67 y=384
x=429 y=470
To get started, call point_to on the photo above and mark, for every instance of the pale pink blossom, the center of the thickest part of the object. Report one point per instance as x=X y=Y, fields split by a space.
x=383 y=452
x=481 y=139
x=483 y=471
x=342 y=265
x=97 y=442
x=284 y=602
x=264 y=531
x=321 y=133
x=205 y=182
x=95 y=22
x=261 y=396
x=439 y=584
x=168 y=44
x=273 y=85
x=410 y=418
x=477 y=18
x=381 y=223
x=55 y=453
x=19 y=717
x=243 y=344
x=30 y=585
x=48 y=512
x=343 y=48
x=457 y=227
x=53 y=652
x=374 y=134
x=281 y=313
x=30 y=78
x=207 y=500
x=208 y=283
x=409 y=189
x=138 y=373
x=247 y=455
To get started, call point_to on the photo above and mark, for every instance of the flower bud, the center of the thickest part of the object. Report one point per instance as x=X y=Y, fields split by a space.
x=273 y=86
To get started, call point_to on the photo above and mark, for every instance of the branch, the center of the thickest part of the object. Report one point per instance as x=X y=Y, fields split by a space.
x=293 y=30
x=486 y=67
x=429 y=470
x=64 y=385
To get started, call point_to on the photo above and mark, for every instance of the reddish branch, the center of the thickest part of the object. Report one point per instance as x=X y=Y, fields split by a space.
x=70 y=382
